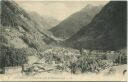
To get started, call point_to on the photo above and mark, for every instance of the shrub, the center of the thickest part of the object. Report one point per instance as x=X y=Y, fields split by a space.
x=12 y=57
x=90 y=63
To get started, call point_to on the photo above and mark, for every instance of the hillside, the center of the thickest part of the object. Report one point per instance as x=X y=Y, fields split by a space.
x=21 y=34
x=16 y=18
x=73 y=23
x=107 y=30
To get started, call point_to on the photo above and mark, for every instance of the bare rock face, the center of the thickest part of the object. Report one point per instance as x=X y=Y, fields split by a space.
x=107 y=31
x=75 y=22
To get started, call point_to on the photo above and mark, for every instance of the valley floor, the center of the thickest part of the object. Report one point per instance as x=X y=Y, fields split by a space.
x=102 y=76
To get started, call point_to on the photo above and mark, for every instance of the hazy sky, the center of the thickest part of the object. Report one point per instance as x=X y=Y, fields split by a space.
x=57 y=9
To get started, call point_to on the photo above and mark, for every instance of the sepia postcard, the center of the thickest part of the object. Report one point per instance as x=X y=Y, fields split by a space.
x=63 y=40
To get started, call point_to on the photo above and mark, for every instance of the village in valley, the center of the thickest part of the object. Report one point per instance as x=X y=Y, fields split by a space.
x=89 y=43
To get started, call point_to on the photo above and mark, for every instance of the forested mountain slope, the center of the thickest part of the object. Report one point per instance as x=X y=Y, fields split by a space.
x=108 y=29
x=75 y=22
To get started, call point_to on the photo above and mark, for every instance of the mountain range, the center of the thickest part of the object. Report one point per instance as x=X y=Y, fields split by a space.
x=75 y=22
x=107 y=30
x=24 y=34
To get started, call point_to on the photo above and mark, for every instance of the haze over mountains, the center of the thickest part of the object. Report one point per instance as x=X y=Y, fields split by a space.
x=107 y=30
x=75 y=22
x=46 y=22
